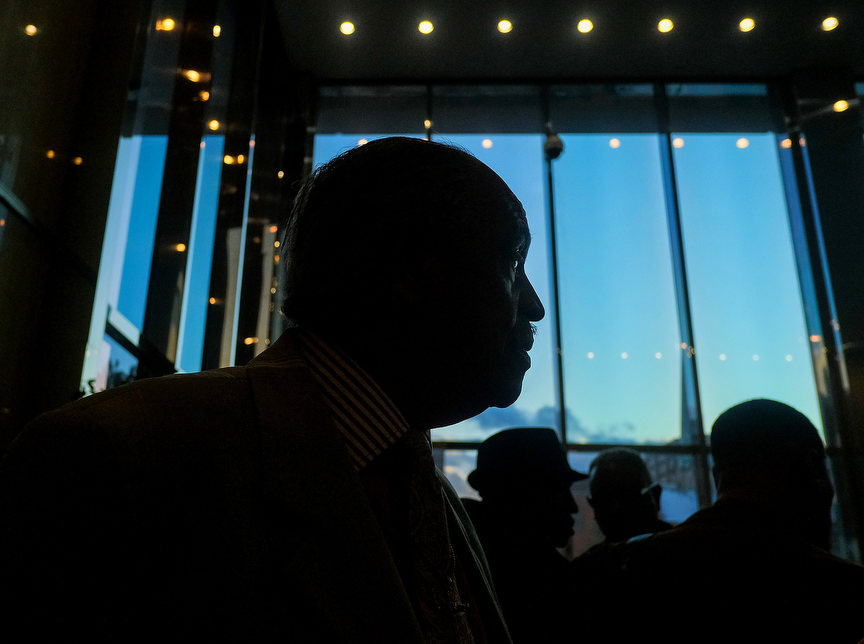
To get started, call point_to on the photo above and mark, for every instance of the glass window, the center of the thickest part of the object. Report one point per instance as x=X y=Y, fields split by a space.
x=748 y=321
x=620 y=333
x=458 y=464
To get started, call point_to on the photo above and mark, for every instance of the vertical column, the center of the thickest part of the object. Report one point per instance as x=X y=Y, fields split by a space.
x=830 y=157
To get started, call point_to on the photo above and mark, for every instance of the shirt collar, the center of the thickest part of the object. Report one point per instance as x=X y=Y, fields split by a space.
x=365 y=416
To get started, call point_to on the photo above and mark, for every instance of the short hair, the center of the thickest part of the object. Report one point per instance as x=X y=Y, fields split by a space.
x=370 y=210
x=764 y=437
x=618 y=470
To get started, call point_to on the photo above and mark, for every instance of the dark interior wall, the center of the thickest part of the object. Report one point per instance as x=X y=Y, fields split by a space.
x=61 y=90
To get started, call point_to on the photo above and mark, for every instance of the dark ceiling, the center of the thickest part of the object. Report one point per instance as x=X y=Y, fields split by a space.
x=544 y=43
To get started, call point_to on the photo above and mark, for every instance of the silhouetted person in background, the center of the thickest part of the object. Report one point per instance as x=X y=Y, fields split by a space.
x=624 y=498
x=526 y=513
x=295 y=499
x=754 y=566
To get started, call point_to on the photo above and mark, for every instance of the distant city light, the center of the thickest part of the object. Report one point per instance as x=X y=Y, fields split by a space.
x=786 y=143
x=274 y=228
x=192 y=75
x=240 y=158
x=217 y=31
x=830 y=23
x=213 y=125
x=665 y=26
x=31 y=30
x=747 y=24
x=505 y=26
x=614 y=143
x=347 y=28
x=678 y=142
x=204 y=95
x=276 y=244
x=212 y=300
x=50 y=154
x=228 y=159
x=425 y=27
x=486 y=143
x=584 y=26
x=742 y=143
x=248 y=341
x=180 y=248
x=280 y=174
x=166 y=24
x=77 y=160
x=841 y=106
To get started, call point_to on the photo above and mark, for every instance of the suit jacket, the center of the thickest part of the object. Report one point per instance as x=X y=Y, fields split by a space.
x=219 y=505
x=727 y=574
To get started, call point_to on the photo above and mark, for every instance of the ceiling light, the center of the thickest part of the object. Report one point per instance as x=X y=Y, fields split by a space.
x=347 y=28
x=31 y=30
x=678 y=142
x=180 y=248
x=742 y=143
x=217 y=31
x=505 y=26
x=77 y=160
x=425 y=27
x=427 y=124
x=665 y=26
x=786 y=144
x=280 y=174
x=213 y=125
x=166 y=24
x=841 y=106
x=830 y=23
x=362 y=141
x=192 y=75
x=486 y=143
x=584 y=26
x=747 y=24
x=228 y=159
x=614 y=144
x=204 y=95
x=50 y=154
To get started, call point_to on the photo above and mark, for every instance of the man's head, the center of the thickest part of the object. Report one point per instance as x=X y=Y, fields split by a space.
x=624 y=499
x=768 y=451
x=410 y=254
x=524 y=475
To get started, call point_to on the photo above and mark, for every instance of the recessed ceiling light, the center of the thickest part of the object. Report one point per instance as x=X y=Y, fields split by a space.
x=505 y=26
x=742 y=143
x=614 y=143
x=425 y=27
x=830 y=23
x=665 y=26
x=678 y=142
x=347 y=28
x=747 y=24
x=584 y=26
x=31 y=30
x=486 y=143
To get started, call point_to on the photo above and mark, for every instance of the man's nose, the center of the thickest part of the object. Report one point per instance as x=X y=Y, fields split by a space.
x=530 y=303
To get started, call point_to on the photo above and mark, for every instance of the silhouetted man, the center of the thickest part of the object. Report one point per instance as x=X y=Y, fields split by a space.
x=624 y=498
x=754 y=566
x=526 y=513
x=295 y=498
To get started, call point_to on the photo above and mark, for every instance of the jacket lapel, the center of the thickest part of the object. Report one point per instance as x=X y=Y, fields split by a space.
x=324 y=530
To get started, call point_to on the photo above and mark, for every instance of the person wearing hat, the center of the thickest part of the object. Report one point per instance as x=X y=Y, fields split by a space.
x=526 y=513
